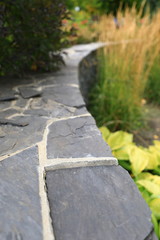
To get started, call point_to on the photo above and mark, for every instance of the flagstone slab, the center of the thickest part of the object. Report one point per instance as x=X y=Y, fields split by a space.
x=20 y=208
x=63 y=94
x=21 y=132
x=29 y=92
x=76 y=138
x=96 y=203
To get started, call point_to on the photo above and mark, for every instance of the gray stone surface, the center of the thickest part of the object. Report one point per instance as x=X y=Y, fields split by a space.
x=7 y=94
x=96 y=203
x=78 y=137
x=15 y=123
x=151 y=236
x=63 y=94
x=87 y=74
x=29 y=92
x=69 y=78
x=19 y=197
x=17 y=137
x=52 y=109
x=8 y=113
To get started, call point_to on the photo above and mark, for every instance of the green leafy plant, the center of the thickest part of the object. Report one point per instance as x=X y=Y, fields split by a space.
x=152 y=90
x=30 y=35
x=143 y=164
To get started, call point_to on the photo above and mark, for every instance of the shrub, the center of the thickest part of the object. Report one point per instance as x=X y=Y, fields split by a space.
x=29 y=31
x=144 y=166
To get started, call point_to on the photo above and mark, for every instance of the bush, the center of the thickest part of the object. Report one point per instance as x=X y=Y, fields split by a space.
x=29 y=31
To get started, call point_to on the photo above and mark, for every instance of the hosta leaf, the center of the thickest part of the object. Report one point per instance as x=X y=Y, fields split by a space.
x=150 y=186
x=157 y=144
x=123 y=153
x=155 y=207
x=145 y=175
x=156 y=151
x=152 y=161
x=119 y=139
x=139 y=160
x=105 y=132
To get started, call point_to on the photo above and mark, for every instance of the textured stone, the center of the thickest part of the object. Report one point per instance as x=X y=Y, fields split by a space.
x=21 y=102
x=29 y=92
x=7 y=94
x=2 y=134
x=78 y=137
x=96 y=203
x=66 y=95
x=17 y=138
x=69 y=78
x=4 y=121
x=20 y=208
x=51 y=109
x=8 y=113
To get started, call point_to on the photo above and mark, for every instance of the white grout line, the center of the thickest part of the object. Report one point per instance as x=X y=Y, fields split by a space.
x=45 y=209
x=48 y=233
x=79 y=162
x=2 y=158
x=71 y=117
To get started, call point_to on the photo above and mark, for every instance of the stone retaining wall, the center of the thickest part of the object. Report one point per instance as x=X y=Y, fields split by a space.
x=58 y=178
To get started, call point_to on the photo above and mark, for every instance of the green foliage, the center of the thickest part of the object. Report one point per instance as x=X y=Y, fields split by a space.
x=113 y=101
x=141 y=163
x=152 y=91
x=30 y=31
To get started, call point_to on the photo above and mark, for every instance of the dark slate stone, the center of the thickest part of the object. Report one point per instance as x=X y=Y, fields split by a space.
x=66 y=95
x=17 y=137
x=5 y=104
x=51 y=109
x=96 y=203
x=20 y=208
x=4 y=121
x=151 y=236
x=2 y=134
x=8 y=112
x=8 y=98
x=21 y=102
x=6 y=93
x=69 y=78
x=29 y=92
x=78 y=137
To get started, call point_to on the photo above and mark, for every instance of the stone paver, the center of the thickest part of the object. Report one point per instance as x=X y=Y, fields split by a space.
x=65 y=95
x=78 y=137
x=24 y=132
x=96 y=203
x=29 y=92
x=20 y=209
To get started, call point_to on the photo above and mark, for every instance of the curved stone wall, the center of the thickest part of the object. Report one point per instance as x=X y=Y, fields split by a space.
x=58 y=178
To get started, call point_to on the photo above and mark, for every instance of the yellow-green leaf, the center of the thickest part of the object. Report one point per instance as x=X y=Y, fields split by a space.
x=150 y=186
x=157 y=144
x=155 y=207
x=139 y=160
x=123 y=153
x=105 y=132
x=145 y=175
x=119 y=139
x=156 y=151
x=152 y=161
